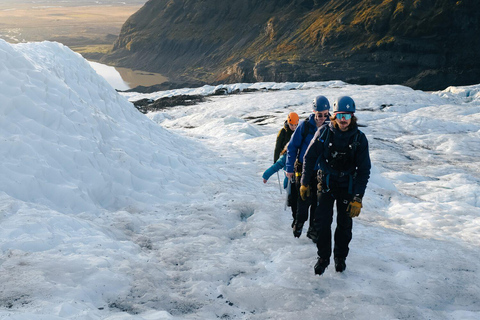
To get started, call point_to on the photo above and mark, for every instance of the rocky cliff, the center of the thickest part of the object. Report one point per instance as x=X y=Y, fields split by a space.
x=425 y=44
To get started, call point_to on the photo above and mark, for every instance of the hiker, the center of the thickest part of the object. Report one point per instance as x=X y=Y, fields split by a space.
x=285 y=134
x=341 y=151
x=296 y=150
x=280 y=164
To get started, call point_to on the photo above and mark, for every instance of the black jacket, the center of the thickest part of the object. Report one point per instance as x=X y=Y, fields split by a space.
x=339 y=160
x=283 y=137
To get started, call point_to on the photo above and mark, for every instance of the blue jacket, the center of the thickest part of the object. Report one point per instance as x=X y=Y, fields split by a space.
x=280 y=164
x=357 y=165
x=297 y=145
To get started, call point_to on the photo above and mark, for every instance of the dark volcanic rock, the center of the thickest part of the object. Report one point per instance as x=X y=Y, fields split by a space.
x=168 y=85
x=425 y=44
x=148 y=105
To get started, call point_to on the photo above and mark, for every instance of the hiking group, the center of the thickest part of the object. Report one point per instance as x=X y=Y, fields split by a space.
x=327 y=163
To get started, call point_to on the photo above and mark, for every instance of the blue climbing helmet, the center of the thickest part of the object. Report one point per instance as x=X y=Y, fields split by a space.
x=320 y=103
x=344 y=104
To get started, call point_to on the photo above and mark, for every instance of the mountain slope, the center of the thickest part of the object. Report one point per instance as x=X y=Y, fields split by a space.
x=425 y=44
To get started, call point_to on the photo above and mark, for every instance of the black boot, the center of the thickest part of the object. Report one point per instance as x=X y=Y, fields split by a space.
x=340 y=265
x=321 y=265
x=297 y=230
x=312 y=234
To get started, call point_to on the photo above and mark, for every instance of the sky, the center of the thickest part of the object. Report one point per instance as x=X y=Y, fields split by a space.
x=106 y=213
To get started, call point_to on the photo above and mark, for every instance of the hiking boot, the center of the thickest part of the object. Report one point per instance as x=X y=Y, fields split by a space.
x=312 y=234
x=297 y=230
x=340 y=265
x=321 y=265
x=294 y=222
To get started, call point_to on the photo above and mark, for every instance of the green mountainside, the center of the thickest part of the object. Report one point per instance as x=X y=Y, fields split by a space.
x=424 y=44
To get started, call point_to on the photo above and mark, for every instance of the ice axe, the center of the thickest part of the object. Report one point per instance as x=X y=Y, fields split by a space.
x=279 y=185
x=289 y=191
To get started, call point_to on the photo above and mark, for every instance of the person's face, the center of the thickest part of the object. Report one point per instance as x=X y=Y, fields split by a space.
x=344 y=120
x=293 y=126
x=320 y=117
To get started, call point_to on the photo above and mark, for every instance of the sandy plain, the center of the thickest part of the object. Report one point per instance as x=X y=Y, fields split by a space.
x=86 y=27
x=83 y=28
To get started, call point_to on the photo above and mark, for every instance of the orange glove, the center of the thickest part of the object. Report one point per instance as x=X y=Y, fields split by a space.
x=304 y=192
x=354 y=207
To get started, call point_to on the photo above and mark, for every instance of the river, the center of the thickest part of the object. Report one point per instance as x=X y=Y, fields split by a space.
x=124 y=78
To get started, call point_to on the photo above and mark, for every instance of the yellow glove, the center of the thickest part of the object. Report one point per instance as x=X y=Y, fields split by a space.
x=354 y=207
x=304 y=192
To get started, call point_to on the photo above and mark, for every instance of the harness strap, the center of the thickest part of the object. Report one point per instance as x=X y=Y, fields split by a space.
x=340 y=174
x=331 y=171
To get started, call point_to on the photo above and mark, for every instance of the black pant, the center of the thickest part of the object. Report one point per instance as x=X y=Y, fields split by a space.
x=323 y=223
x=303 y=206
x=293 y=200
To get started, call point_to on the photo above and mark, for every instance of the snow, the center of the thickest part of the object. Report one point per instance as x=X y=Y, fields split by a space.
x=106 y=213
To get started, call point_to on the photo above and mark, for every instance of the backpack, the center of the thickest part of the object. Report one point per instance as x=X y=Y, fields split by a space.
x=305 y=132
x=298 y=166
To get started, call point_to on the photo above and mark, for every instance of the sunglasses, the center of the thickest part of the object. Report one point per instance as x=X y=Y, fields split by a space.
x=346 y=116
x=322 y=115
